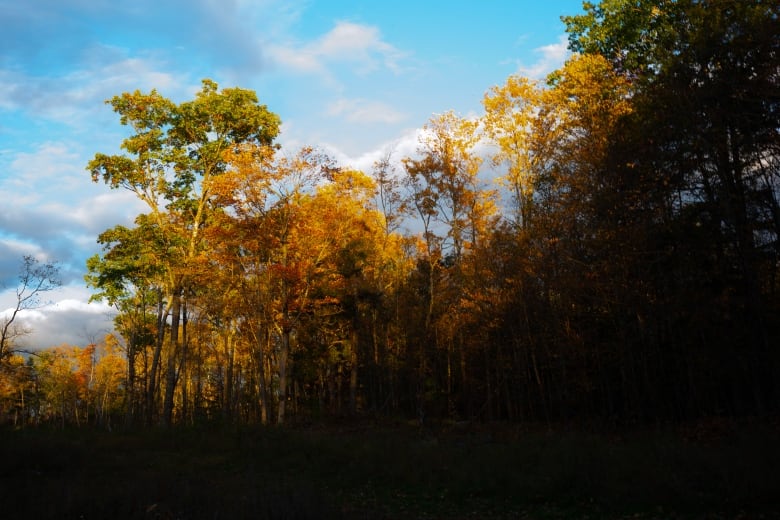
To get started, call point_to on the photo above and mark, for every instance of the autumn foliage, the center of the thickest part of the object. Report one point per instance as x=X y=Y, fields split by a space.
x=602 y=246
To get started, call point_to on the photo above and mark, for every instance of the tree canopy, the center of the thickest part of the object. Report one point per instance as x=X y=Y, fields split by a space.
x=623 y=267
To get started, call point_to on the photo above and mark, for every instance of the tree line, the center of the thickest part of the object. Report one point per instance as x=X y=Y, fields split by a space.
x=623 y=266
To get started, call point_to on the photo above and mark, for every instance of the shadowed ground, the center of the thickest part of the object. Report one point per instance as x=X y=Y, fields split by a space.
x=360 y=470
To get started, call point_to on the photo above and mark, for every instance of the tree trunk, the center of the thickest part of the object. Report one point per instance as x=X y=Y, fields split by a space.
x=170 y=376
x=130 y=401
x=284 y=353
x=183 y=363
x=261 y=375
x=353 y=371
x=227 y=405
x=151 y=393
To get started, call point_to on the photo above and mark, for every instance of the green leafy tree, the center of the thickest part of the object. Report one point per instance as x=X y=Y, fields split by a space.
x=171 y=161
x=130 y=277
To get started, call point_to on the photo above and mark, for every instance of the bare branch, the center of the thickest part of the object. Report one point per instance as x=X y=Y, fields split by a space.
x=35 y=278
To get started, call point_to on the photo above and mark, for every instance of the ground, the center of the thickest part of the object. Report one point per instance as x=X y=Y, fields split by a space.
x=392 y=470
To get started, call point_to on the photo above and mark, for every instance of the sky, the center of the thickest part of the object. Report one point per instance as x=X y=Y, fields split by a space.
x=354 y=78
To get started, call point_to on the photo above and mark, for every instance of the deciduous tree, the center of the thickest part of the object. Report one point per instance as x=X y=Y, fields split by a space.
x=174 y=154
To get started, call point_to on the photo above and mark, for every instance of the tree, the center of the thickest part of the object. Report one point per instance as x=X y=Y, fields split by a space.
x=109 y=382
x=636 y=280
x=389 y=198
x=631 y=34
x=512 y=119
x=35 y=278
x=360 y=248
x=270 y=246
x=448 y=172
x=175 y=153
x=17 y=390
x=456 y=211
x=700 y=151
x=62 y=388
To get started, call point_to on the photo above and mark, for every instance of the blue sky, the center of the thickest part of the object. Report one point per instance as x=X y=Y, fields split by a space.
x=354 y=78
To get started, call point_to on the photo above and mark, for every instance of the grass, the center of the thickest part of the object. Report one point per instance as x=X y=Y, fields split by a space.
x=358 y=470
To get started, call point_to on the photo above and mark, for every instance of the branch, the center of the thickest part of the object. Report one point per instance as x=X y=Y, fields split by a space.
x=34 y=278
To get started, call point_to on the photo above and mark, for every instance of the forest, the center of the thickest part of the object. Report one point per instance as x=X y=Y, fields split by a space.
x=598 y=248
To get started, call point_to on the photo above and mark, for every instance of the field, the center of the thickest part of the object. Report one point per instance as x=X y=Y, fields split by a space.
x=391 y=470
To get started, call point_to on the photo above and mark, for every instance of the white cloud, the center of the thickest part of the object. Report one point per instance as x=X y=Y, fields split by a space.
x=299 y=60
x=73 y=98
x=54 y=210
x=110 y=71
x=70 y=305
x=365 y=111
x=551 y=57
x=98 y=213
x=347 y=42
x=53 y=167
x=70 y=320
x=51 y=182
x=353 y=42
x=404 y=146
